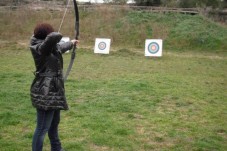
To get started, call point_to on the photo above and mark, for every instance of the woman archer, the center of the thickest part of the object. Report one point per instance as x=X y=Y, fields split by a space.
x=47 y=89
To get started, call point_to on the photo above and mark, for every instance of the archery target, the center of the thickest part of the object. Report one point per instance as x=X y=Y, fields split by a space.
x=102 y=45
x=65 y=39
x=153 y=47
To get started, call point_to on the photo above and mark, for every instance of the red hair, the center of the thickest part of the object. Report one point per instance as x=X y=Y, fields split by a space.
x=42 y=30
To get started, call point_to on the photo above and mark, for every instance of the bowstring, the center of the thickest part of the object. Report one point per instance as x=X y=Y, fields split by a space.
x=63 y=18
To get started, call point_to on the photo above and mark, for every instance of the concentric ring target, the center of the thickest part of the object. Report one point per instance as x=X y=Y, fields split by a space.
x=102 y=45
x=153 y=47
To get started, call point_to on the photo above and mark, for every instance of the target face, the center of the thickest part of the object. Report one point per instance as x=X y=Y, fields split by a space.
x=65 y=39
x=153 y=47
x=102 y=45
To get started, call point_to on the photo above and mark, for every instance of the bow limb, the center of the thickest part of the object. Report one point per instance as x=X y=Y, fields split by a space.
x=73 y=55
x=77 y=20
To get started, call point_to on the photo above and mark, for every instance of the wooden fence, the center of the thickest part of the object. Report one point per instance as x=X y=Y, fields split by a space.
x=219 y=15
x=53 y=6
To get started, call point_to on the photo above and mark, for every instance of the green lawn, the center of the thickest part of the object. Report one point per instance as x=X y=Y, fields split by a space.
x=123 y=101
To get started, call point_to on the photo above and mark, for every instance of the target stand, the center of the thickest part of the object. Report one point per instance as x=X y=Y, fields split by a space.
x=102 y=45
x=153 y=47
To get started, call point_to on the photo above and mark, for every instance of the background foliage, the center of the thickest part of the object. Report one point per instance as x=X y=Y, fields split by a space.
x=169 y=3
x=123 y=26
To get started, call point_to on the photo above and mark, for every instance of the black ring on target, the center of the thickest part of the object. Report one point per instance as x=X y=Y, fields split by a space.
x=102 y=45
x=153 y=47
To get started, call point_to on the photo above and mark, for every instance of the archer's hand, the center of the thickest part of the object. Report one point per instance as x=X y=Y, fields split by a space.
x=75 y=42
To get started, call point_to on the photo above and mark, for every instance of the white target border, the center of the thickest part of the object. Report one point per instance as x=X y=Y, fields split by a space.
x=150 y=41
x=106 y=50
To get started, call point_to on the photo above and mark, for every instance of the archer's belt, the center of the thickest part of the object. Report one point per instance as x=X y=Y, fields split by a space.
x=48 y=74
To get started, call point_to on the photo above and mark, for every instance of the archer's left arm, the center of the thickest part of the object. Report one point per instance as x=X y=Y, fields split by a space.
x=65 y=46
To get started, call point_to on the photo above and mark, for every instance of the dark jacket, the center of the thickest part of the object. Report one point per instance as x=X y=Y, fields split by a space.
x=47 y=89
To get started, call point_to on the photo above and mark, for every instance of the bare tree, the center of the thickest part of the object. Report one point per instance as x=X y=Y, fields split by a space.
x=148 y=2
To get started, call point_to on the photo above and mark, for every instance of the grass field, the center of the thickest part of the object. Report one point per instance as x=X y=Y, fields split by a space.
x=122 y=101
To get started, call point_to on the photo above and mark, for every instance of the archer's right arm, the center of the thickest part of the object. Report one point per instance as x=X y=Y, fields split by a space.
x=49 y=44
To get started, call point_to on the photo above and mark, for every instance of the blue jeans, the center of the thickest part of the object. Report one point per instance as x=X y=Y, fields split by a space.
x=47 y=121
